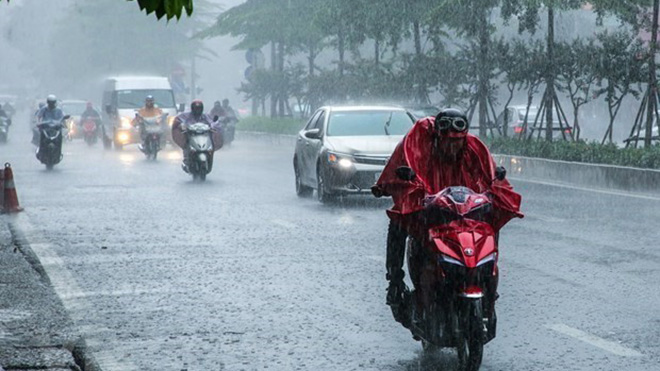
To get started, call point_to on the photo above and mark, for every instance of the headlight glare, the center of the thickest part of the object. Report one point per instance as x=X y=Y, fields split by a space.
x=343 y=161
x=125 y=123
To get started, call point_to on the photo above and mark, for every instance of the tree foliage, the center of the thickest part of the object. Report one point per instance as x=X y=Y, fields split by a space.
x=165 y=8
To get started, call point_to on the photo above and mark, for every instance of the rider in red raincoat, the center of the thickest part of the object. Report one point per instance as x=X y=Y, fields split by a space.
x=441 y=153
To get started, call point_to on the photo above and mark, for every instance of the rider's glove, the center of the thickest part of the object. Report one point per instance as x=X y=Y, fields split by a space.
x=377 y=191
x=500 y=173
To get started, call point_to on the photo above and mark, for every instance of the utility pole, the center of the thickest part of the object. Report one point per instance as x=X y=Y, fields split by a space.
x=193 y=79
x=653 y=89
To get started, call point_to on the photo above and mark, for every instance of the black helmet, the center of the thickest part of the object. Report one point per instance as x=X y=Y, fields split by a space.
x=197 y=107
x=452 y=123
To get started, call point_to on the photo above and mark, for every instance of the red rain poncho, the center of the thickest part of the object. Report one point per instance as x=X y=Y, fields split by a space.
x=475 y=170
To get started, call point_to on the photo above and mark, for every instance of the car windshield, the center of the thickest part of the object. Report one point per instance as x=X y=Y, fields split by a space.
x=362 y=123
x=135 y=98
x=73 y=108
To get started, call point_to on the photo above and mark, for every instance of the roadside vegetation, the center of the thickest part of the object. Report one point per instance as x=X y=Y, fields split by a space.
x=579 y=151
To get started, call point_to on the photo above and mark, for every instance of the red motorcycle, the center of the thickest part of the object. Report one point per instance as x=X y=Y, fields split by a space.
x=453 y=267
x=89 y=131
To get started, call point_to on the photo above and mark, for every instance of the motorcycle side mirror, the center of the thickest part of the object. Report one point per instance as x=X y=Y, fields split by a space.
x=405 y=173
x=66 y=117
x=182 y=107
x=500 y=173
x=216 y=117
x=108 y=109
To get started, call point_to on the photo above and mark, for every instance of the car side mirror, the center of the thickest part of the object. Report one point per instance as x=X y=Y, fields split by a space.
x=500 y=173
x=313 y=134
x=108 y=109
x=405 y=173
x=182 y=107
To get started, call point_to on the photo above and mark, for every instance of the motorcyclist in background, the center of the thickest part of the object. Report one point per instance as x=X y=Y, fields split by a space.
x=441 y=153
x=150 y=109
x=5 y=115
x=92 y=114
x=217 y=110
x=10 y=111
x=184 y=119
x=229 y=111
x=50 y=112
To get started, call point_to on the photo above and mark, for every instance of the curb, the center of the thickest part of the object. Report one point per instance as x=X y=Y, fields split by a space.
x=78 y=348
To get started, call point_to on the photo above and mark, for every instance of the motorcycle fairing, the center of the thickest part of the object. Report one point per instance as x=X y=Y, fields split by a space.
x=467 y=241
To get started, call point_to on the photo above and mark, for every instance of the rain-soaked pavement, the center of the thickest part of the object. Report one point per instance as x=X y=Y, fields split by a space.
x=160 y=273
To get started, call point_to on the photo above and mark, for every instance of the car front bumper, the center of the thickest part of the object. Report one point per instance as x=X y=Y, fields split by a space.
x=355 y=179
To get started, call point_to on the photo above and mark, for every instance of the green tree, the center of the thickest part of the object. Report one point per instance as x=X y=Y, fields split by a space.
x=512 y=60
x=576 y=74
x=619 y=72
x=165 y=8
x=472 y=20
x=527 y=12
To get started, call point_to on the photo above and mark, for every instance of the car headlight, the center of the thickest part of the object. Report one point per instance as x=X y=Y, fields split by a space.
x=343 y=161
x=125 y=123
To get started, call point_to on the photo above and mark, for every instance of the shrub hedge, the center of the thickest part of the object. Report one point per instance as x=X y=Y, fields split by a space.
x=580 y=151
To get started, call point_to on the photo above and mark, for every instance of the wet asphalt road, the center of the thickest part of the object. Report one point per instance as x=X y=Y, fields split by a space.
x=161 y=273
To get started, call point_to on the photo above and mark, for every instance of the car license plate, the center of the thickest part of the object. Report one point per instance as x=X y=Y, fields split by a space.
x=376 y=176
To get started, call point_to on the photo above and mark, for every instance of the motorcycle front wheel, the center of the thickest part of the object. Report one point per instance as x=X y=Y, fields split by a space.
x=470 y=347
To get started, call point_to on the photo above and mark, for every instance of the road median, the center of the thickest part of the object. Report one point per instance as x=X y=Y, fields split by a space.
x=578 y=174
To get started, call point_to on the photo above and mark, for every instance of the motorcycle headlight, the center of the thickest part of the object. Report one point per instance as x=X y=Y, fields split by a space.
x=123 y=138
x=489 y=258
x=343 y=161
x=449 y=259
x=170 y=120
x=125 y=123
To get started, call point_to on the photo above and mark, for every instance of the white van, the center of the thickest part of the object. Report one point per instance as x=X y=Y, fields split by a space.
x=123 y=96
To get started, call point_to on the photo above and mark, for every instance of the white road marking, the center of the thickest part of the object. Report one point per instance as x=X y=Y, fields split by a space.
x=65 y=285
x=380 y=259
x=601 y=343
x=283 y=223
x=346 y=219
x=585 y=189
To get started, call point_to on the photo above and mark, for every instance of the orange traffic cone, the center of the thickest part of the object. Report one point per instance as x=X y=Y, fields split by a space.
x=11 y=199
